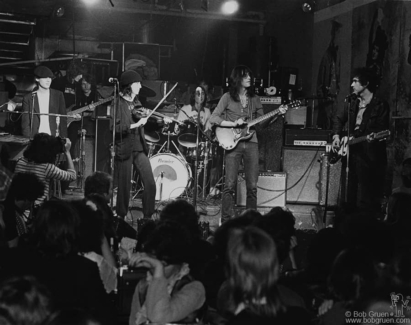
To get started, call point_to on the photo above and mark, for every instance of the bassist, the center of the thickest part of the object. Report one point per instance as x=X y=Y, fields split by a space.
x=233 y=110
x=364 y=114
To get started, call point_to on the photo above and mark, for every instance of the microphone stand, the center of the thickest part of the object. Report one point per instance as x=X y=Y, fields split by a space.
x=31 y=114
x=113 y=136
x=350 y=103
x=196 y=162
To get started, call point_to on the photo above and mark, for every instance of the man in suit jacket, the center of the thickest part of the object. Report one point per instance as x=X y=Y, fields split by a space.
x=45 y=101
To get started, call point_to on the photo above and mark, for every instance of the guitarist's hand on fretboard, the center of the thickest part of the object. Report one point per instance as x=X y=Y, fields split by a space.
x=283 y=109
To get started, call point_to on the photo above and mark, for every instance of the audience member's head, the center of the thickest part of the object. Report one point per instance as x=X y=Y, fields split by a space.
x=98 y=183
x=353 y=275
x=144 y=232
x=24 y=301
x=279 y=224
x=184 y=213
x=251 y=213
x=55 y=229
x=44 y=149
x=253 y=268
x=221 y=235
x=321 y=253
x=170 y=242
x=91 y=228
x=25 y=188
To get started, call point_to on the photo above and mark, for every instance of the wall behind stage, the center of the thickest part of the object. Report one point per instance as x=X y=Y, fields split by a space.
x=368 y=33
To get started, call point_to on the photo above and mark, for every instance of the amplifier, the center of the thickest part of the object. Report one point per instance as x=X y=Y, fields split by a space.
x=270 y=192
x=270 y=100
x=307 y=137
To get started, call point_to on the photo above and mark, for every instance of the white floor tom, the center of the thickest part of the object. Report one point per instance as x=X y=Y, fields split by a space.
x=172 y=175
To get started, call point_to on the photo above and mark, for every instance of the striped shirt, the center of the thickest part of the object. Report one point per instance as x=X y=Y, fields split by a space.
x=45 y=172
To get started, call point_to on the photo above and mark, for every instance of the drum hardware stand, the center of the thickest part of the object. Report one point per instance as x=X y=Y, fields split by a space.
x=161 y=185
x=205 y=169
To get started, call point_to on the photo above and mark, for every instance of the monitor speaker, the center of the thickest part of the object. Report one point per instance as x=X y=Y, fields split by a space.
x=270 y=190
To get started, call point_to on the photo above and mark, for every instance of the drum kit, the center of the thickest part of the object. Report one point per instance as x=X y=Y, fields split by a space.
x=174 y=170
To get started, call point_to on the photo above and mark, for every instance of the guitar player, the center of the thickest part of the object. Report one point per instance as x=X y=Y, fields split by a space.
x=234 y=109
x=364 y=114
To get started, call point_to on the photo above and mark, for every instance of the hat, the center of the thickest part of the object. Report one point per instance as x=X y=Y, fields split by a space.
x=130 y=76
x=43 y=72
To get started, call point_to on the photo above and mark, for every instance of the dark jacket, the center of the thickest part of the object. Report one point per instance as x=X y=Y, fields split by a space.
x=375 y=119
x=56 y=106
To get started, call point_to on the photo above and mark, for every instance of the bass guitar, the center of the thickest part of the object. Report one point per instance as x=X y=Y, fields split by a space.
x=89 y=107
x=228 y=137
x=336 y=155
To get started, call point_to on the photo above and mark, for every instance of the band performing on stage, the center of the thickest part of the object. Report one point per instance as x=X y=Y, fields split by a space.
x=163 y=150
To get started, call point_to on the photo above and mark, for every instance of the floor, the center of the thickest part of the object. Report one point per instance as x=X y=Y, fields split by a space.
x=308 y=216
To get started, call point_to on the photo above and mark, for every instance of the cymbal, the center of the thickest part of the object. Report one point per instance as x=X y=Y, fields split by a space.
x=147 y=91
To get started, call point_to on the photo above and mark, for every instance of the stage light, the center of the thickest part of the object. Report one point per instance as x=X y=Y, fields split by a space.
x=229 y=7
x=306 y=7
x=59 y=12
x=90 y=2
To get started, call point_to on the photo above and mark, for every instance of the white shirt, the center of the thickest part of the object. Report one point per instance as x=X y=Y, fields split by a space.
x=44 y=101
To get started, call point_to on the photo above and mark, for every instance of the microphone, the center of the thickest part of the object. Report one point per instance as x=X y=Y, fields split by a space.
x=112 y=80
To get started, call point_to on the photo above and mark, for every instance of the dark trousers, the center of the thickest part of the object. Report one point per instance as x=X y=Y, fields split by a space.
x=248 y=152
x=365 y=183
x=123 y=176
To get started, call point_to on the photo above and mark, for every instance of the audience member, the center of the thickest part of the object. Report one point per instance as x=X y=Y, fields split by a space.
x=24 y=301
x=93 y=244
x=53 y=258
x=24 y=190
x=39 y=159
x=253 y=269
x=98 y=187
x=352 y=278
x=169 y=294
x=184 y=213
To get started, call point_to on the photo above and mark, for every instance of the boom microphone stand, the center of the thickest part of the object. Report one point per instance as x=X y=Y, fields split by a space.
x=112 y=148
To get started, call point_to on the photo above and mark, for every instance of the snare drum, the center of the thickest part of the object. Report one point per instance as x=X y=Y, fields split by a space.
x=171 y=174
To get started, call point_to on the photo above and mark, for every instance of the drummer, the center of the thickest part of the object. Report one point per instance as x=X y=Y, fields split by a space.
x=198 y=102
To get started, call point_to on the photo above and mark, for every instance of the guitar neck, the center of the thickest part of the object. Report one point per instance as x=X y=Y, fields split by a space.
x=263 y=117
x=357 y=140
x=92 y=105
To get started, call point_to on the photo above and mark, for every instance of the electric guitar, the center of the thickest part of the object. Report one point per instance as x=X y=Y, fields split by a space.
x=89 y=107
x=335 y=155
x=228 y=137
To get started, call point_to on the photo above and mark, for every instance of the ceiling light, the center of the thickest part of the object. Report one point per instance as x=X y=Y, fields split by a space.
x=230 y=7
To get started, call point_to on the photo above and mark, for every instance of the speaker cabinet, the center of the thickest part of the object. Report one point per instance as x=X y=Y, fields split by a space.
x=303 y=166
x=270 y=142
x=270 y=192
x=331 y=180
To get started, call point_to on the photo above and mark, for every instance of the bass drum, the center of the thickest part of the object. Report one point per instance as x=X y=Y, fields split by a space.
x=171 y=174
